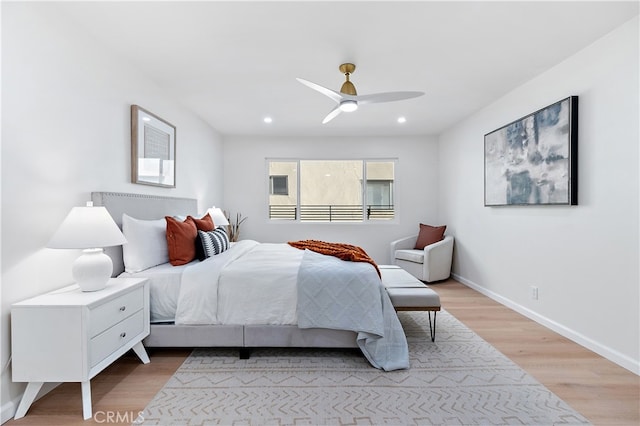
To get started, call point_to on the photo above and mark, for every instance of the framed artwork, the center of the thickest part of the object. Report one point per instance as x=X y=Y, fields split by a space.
x=533 y=160
x=153 y=149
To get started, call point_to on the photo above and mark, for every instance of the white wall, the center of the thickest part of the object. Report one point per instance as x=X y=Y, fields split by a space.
x=65 y=133
x=584 y=259
x=246 y=187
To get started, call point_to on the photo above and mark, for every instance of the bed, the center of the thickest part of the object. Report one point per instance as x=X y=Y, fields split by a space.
x=282 y=314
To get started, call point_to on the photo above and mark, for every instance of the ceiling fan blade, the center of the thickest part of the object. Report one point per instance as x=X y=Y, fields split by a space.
x=386 y=97
x=327 y=92
x=333 y=114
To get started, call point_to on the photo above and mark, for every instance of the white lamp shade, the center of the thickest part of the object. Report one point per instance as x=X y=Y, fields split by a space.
x=87 y=227
x=218 y=216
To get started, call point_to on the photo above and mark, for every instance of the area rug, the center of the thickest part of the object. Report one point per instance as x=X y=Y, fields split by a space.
x=457 y=380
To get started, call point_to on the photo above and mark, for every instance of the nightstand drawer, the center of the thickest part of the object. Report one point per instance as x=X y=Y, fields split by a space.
x=117 y=336
x=114 y=311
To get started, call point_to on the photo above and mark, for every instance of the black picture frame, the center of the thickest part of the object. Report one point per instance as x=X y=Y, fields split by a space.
x=534 y=159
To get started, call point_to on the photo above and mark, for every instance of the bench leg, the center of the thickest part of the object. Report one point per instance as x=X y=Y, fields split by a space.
x=432 y=330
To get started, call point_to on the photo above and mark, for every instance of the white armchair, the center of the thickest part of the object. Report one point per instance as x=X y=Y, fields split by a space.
x=433 y=263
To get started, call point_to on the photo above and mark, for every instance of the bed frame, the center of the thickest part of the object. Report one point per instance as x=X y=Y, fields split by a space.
x=150 y=207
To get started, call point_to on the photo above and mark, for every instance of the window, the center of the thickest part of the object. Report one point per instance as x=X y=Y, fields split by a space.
x=380 y=199
x=279 y=185
x=331 y=190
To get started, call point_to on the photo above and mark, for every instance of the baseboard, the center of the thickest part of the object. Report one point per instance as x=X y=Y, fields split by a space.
x=9 y=409
x=608 y=353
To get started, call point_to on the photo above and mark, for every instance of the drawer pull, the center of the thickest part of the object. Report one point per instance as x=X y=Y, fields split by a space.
x=123 y=335
x=123 y=308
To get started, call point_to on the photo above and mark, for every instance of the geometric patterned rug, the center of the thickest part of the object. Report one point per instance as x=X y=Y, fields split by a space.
x=459 y=379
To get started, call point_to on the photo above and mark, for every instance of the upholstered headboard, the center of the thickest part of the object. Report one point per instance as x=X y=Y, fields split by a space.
x=140 y=206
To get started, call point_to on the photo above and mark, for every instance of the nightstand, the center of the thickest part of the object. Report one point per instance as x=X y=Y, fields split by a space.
x=69 y=335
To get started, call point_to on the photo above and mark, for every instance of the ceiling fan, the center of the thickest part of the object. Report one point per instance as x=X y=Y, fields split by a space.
x=348 y=99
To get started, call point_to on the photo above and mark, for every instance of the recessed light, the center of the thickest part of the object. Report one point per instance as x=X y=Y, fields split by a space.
x=268 y=120
x=146 y=119
x=402 y=120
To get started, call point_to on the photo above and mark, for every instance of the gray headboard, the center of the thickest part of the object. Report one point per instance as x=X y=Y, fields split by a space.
x=139 y=206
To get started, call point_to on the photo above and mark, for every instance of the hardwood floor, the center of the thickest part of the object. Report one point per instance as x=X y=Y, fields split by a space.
x=118 y=394
x=600 y=390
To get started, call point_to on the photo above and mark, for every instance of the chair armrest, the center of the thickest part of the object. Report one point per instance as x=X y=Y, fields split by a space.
x=437 y=259
x=445 y=245
x=402 y=244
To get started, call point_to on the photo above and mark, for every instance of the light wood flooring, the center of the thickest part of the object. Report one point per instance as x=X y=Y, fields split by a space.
x=600 y=390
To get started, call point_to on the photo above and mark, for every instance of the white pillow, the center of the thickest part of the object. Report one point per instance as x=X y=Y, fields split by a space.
x=146 y=243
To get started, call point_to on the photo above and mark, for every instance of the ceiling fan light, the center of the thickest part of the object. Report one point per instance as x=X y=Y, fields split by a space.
x=348 y=105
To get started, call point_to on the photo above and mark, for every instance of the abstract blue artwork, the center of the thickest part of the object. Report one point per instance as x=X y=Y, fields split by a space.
x=533 y=160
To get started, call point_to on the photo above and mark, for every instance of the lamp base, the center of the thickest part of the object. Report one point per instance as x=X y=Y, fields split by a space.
x=92 y=270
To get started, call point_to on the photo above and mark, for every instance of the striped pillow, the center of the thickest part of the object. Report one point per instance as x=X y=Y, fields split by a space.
x=210 y=243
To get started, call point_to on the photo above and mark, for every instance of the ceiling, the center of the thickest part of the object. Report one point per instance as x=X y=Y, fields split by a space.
x=234 y=63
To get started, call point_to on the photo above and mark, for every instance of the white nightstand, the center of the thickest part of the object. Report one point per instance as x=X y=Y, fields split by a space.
x=70 y=336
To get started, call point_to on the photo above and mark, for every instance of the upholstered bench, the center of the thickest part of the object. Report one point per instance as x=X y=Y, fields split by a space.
x=407 y=293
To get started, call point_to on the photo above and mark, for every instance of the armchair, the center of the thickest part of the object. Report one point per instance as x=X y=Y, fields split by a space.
x=433 y=263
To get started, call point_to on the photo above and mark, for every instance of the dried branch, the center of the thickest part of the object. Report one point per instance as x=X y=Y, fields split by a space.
x=233 y=229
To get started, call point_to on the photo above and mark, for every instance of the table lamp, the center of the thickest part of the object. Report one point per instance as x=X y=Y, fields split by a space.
x=219 y=219
x=89 y=228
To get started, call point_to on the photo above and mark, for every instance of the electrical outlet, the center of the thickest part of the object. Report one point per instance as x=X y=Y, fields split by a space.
x=534 y=292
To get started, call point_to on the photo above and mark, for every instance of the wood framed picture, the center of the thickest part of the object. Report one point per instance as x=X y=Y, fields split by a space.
x=153 y=149
x=533 y=160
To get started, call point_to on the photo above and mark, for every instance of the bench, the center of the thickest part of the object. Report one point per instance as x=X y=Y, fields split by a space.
x=407 y=293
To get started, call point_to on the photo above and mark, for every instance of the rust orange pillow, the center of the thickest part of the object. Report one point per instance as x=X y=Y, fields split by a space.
x=429 y=235
x=181 y=240
x=204 y=224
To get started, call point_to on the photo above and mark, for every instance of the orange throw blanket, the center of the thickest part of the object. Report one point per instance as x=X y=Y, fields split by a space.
x=340 y=250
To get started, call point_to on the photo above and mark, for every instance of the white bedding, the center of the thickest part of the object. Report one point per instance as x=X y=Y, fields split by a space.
x=229 y=288
x=198 y=298
x=164 y=289
x=166 y=283
x=250 y=283
x=260 y=288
